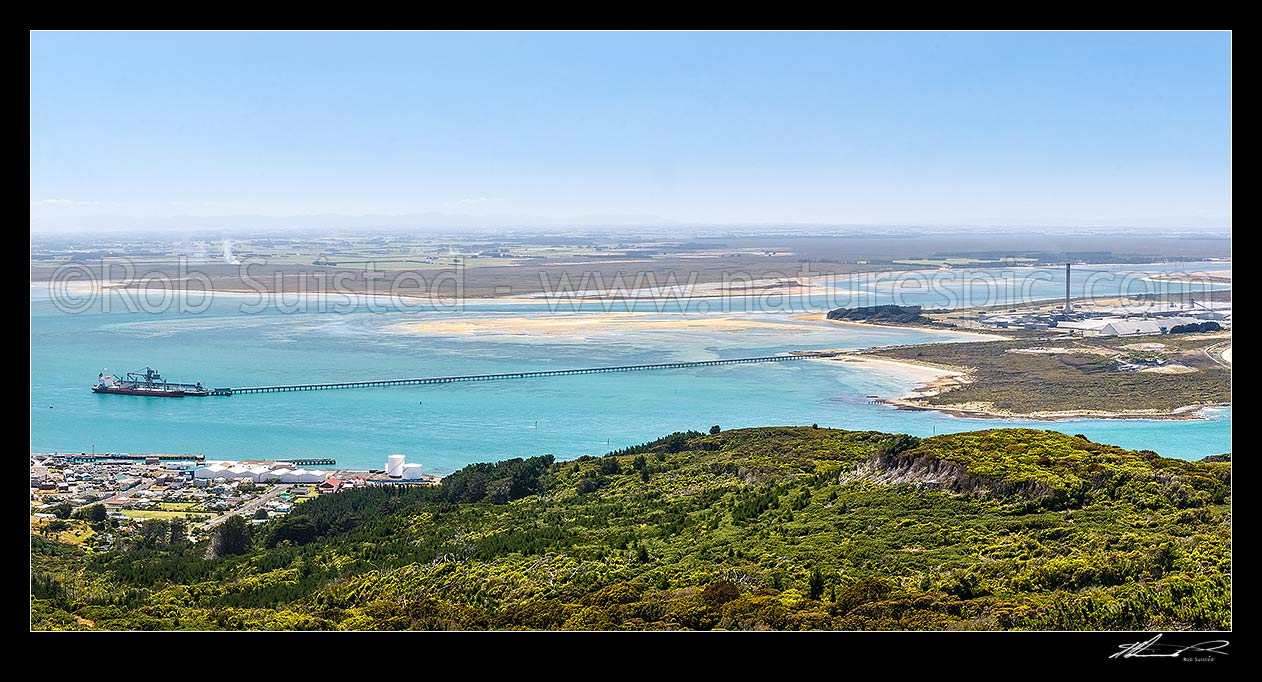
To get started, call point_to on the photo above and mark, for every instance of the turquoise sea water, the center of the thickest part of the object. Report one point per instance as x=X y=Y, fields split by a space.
x=447 y=426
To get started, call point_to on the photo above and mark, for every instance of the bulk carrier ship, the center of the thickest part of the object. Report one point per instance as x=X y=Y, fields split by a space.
x=148 y=383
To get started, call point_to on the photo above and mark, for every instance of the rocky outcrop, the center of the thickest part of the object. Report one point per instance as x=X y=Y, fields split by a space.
x=921 y=470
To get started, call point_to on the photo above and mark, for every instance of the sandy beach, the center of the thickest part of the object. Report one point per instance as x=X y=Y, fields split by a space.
x=922 y=372
x=786 y=286
x=588 y=323
x=681 y=293
x=580 y=323
x=1215 y=277
x=959 y=334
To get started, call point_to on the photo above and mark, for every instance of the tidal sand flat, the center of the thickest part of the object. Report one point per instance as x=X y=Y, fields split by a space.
x=957 y=335
x=587 y=324
x=907 y=370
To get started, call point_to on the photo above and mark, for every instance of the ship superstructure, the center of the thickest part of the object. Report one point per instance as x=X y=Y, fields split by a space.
x=147 y=383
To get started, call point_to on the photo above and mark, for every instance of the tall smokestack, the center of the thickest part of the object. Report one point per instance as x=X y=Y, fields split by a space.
x=1068 y=308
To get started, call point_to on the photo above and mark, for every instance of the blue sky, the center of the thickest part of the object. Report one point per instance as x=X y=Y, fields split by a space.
x=846 y=128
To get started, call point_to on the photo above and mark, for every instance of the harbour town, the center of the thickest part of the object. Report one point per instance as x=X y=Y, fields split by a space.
x=91 y=499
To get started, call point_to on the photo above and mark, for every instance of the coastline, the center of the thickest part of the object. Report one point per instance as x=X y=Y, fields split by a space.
x=926 y=376
x=1216 y=277
x=787 y=285
x=779 y=286
x=930 y=380
x=577 y=323
x=960 y=334
x=569 y=322
x=966 y=410
x=934 y=379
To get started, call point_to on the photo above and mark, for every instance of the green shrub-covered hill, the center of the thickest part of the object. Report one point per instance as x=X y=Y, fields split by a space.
x=770 y=528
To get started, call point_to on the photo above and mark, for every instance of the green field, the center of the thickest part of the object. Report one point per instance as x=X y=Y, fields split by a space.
x=76 y=533
x=162 y=514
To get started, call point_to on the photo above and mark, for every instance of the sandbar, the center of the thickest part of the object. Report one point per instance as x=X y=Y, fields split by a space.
x=959 y=334
x=587 y=323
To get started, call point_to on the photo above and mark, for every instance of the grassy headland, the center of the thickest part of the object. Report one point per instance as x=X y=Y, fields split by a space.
x=1165 y=376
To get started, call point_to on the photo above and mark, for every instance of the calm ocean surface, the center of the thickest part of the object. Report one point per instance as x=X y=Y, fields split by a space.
x=445 y=427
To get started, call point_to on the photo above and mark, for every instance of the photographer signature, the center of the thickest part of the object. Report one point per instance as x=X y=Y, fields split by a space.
x=1152 y=649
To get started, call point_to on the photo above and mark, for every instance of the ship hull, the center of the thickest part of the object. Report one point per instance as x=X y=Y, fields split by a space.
x=134 y=391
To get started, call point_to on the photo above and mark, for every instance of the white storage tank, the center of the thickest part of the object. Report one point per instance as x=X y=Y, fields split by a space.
x=412 y=472
x=394 y=466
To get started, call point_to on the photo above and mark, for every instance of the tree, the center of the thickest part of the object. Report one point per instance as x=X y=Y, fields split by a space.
x=179 y=531
x=231 y=537
x=720 y=593
x=893 y=445
x=639 y=463
x=63 y=510
x=154 y=532
x=676 y=442
x=609 y=465
x=94 y=514
x=261 y=514
x=1196 y=327
x=295 y=530
x=862 y=592
x=641 y=554
x=815 y=588
x=714 y=430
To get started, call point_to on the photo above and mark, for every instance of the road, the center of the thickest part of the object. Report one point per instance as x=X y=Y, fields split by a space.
x=247 y=510
x=1220 y=353
x=145 y=484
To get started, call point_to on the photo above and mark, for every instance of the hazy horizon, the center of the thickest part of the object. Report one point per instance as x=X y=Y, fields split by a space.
x=447 y=224
x=436 y=222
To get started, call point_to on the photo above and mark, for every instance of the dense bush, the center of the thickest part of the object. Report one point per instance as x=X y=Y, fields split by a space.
x=889 y=314
x=774 y=528
x=1196 y=328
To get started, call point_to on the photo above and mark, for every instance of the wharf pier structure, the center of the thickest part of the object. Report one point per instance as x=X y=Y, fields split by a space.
x=500 y=376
